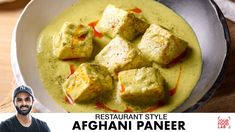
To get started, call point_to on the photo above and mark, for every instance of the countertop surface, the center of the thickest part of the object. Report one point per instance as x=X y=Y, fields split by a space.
x=223 y=99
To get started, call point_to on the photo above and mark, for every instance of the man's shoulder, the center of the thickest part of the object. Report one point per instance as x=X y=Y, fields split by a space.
x=5 y=125
x=9 y=120
x=43 y=125
x=39 y=121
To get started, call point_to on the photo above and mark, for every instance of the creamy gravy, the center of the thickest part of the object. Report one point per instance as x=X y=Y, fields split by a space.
x=180 y=78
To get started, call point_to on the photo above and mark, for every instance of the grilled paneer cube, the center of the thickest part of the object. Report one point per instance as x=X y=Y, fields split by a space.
x=90 y=80
x=117 y=21
x=74 y=41
x=120 y=55
x=160 y=45
x=143 y=86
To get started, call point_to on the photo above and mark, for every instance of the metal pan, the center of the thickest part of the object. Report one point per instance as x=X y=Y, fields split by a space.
x=203 y=16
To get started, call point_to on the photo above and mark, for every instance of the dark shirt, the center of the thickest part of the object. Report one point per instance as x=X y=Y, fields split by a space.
x=13 y=125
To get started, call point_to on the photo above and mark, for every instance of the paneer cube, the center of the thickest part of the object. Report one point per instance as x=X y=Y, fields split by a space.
x=90 y=80
x=143 y=86
x=120 y=55
x=117 y=21
x=160 y=45
x=74 y=41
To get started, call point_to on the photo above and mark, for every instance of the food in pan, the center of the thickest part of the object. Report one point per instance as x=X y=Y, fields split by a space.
x=87 y=82
x=142 y=86
x=160 y=45
x=120 y=55
x=118 y=21
x=73 y=41
x=117 y=57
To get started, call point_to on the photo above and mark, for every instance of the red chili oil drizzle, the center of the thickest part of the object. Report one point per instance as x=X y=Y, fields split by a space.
x=177 y=59
x=128 y=110
x=100 y=105
x=96 y=33
x=155 y=107
x=68 y=99
x=136 y=10
x=103 y=106
x=72 y=70
x=172 y=91
x=122 y=88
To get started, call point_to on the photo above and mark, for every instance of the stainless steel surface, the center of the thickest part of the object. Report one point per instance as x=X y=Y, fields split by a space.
x=211 y=30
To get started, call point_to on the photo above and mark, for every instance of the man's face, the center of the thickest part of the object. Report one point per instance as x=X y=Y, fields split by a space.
x=23 y=103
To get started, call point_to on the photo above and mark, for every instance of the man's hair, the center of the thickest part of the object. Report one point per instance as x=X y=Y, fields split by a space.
x=23 y=89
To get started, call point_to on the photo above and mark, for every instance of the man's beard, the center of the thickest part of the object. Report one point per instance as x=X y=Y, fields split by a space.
x=23 y=112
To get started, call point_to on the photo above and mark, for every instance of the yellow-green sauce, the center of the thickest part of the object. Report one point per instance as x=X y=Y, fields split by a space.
x=53 y=71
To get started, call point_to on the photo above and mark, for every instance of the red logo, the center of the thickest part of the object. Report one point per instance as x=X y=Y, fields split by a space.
x=224 y=123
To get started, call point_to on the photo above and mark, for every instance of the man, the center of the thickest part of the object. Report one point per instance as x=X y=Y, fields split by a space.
x=23 y=99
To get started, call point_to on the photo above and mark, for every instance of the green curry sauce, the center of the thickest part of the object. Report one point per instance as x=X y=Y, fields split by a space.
x=180 y=78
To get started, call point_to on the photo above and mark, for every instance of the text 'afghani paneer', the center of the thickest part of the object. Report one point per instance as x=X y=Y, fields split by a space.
x=120 y=55
x=160 y=45
x=74 y=41
x=141 y=86
x=118 y=21
x=90 y=80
